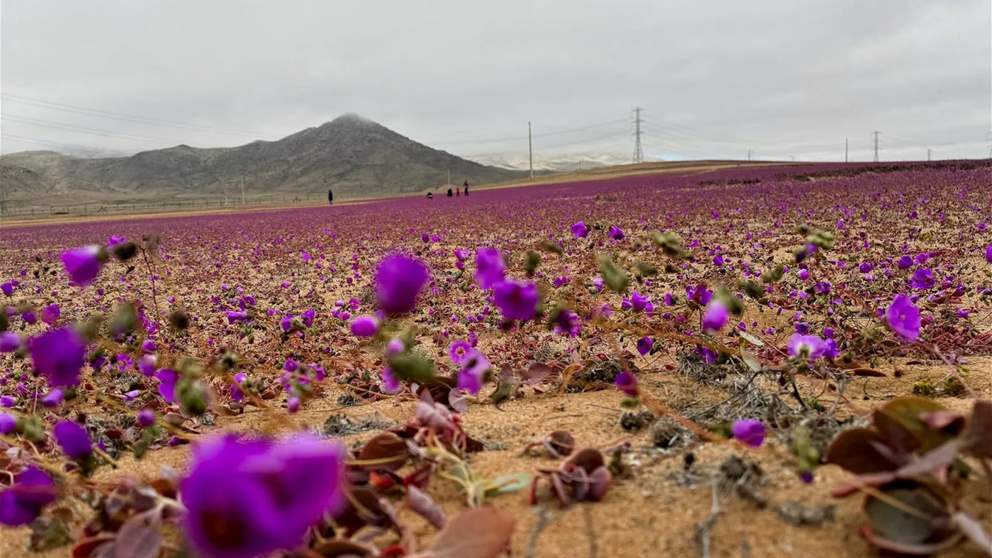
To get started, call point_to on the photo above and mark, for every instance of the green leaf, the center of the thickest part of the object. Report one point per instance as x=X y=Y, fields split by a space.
x=412 y=367
x=505 y=484
x=613 y=275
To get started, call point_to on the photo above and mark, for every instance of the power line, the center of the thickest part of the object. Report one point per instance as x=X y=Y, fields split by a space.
x=137 y=119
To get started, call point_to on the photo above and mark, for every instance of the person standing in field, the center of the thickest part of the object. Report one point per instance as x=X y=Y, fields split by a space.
x=466 y=187
x=330 y=197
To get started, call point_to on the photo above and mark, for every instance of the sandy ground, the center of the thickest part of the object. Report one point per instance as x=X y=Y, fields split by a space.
x=655 y=512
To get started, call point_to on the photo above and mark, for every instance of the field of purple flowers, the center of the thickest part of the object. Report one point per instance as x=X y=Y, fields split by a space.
x=780 y=361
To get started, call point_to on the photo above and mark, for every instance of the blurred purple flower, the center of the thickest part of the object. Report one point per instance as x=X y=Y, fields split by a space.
x=21 y=503
x=922 y=279
x=58 y=355
x=9 y=341
x=167 y=378
x=644 y=345
x=567 y=322
x=615 y=233
x=715 y=316
x=390 y=383
x=489 y=267
x=399 y=280
x=580 y=230
x=73 y=439
x=627 y=383
x=516 y=299
x=251 y=497
x=82 y=264
x=473 y=372
x=8 y=423
x=50 y=314
x=364 y=326
x=53 y=398
x=749 y=431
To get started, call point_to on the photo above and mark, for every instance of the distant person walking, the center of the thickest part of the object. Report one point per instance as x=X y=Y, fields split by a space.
x=430 y=195
x=450 y=193
x=466 y=187
x=330 y=197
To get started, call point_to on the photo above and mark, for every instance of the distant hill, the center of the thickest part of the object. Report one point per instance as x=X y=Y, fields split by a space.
x=353 y=156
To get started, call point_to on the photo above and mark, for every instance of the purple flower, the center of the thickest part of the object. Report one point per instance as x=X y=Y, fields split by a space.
x=922 y=279
x=473 y=372
x=146 y=418
x=234 y=316
x=8 y=423
x=905 y=262
x=390 y=383
x=167 y=378
x=58 y=355
x=9 y=341
x=516 y=299
x=810 y=346
x=251 y=497
x=904 y=317
x=489 y=267
x=364 y=326
x=749 y=431
x=627 y=383
x=637 y=302
x=988 y=253
x=8 y=287
x=50 y=314
x=83 y=264
x=73 y=439
x=567 y=323
x=699 y=294
x=399 y=280
x=22 y=503
x=644 y=345
x=615 y=233
x=580 y=230
x=308 y=316
x=53 y=398
x=715 y=316
x=459 y=351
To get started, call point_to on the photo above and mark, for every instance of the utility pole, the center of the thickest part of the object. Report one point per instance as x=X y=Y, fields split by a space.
x=845 y=150
x=876 y=132
x=928 y=154
x=242 y=190
x=530 y=150
x=748 y=154
x=638 y=152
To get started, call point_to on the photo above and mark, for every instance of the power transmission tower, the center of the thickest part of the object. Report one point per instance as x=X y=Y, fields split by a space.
x=530 y=150
x=845 y=150
x=638 y=152
x=876 y=132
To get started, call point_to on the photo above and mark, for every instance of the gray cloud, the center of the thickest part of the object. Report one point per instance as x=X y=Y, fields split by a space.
x=786 y=79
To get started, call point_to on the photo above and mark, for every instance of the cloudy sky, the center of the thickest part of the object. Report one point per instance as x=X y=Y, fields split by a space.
x=785 y=79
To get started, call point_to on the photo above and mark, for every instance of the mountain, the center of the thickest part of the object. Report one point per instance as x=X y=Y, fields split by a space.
x=553 y=163
x=351 y=155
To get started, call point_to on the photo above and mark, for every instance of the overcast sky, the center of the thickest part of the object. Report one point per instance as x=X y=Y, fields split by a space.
x=785 y=79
